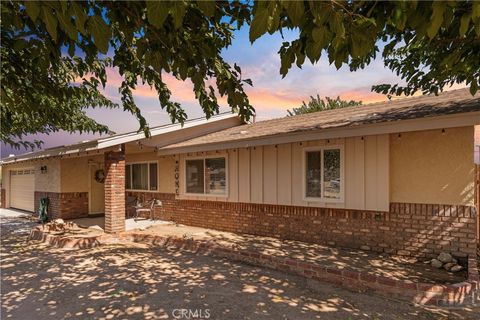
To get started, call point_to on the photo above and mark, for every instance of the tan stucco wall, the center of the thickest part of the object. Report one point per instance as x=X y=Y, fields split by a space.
x=75 y=174
x=431 y=167
x=49 y=181
x=166 y=175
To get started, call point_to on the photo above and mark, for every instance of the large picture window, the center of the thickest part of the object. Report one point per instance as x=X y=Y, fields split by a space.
x=206 y=176
x=323 y=173
x=141 y=176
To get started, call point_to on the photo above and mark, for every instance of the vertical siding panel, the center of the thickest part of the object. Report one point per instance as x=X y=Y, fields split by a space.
x=297 y=174
x=351 y=179
x=244 y=175
x=370 y=172
x=256 y=175
x=233 y=175
x=284 y=174
x=383 y=164
x=359 y=172
x=270 y=174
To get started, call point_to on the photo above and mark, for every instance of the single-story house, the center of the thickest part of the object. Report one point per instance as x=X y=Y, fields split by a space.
x=395 y=177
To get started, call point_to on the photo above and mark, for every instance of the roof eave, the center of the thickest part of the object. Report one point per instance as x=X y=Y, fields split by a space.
x=428 y=123
x=109 y=142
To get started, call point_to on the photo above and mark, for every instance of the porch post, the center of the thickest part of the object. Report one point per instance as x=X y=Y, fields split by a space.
x=115 y=191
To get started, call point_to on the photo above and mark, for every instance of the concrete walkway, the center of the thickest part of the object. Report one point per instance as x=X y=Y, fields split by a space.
x=95 y=222
x=130 y=224
x=14 y=213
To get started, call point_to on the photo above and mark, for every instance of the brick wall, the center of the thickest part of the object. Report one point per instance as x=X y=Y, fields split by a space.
x=66 y=205
x=2 y=198
x=419 y=230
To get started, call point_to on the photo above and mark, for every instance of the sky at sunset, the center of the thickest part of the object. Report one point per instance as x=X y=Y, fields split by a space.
x=270 y=95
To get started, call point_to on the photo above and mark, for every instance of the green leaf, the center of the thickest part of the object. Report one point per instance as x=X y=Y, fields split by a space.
x=473 y=87
x=207 y=7
x=286 y=58
x=464 y=24
x=295 y=10
x=33 y=9
x=313 y=51
x=274 y=17
x=321 y=35
x=336 y=24
x=157 y=12
x=259 y=23
x=178 y=13
x=71 y=49
x=80 y=17
x=67 y=26
x=475 y=10
x=436 y=19
x=50 y=22
x=100 y=32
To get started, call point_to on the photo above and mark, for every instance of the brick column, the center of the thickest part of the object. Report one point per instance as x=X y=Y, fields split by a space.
x=115 y=191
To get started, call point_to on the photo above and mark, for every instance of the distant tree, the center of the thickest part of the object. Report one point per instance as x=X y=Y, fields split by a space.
x=318 y=104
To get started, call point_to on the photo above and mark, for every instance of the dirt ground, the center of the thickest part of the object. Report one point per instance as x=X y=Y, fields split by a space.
x=139 y=282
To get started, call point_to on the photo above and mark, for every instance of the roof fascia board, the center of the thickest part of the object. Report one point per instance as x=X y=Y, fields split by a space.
x=429 y=123
x=77 y=152
x=131 y=137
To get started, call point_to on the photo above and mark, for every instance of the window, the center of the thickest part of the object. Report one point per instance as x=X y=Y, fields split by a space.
x=323 y=173
x=141 y=176
x=206 y=176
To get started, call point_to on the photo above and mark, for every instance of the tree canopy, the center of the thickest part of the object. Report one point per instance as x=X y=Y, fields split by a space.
x=318 y=104
x=54 y=54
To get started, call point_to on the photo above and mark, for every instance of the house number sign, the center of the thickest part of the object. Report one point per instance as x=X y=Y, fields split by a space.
x=177 y=178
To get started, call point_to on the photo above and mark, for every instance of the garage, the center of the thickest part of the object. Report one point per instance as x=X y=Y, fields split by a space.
x=22 y=189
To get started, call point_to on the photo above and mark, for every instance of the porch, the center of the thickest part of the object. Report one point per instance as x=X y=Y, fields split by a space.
x=130 y=223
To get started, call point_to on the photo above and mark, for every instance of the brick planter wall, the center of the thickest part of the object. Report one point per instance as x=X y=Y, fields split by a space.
x=66 y=205
x=418 y=230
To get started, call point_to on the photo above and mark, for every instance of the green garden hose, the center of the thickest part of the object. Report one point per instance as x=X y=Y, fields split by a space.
x=43 y=210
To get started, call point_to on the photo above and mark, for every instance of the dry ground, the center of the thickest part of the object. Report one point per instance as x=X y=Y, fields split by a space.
x=395 y=267
x=140 y=282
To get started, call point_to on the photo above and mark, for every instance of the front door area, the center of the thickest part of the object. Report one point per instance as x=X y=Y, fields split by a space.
x=96 y=194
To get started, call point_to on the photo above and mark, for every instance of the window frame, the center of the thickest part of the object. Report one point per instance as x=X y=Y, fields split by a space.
x=148 y=175
x=184 y=172
x=321 y=149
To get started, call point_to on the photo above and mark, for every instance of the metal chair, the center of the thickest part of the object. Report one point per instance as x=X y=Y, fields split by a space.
x=149 y=207
x=131 y=203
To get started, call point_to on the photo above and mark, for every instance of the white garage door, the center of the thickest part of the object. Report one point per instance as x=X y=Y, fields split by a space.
x=22 y=189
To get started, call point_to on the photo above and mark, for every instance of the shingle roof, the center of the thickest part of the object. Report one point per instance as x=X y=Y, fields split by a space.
x=113 y=140
x=449 y=102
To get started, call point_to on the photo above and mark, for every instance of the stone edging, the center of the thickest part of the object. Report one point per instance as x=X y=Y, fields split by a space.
x=66 y=242
x=421 y=293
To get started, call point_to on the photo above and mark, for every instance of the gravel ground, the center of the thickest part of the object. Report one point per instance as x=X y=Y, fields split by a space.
x=139 y=282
